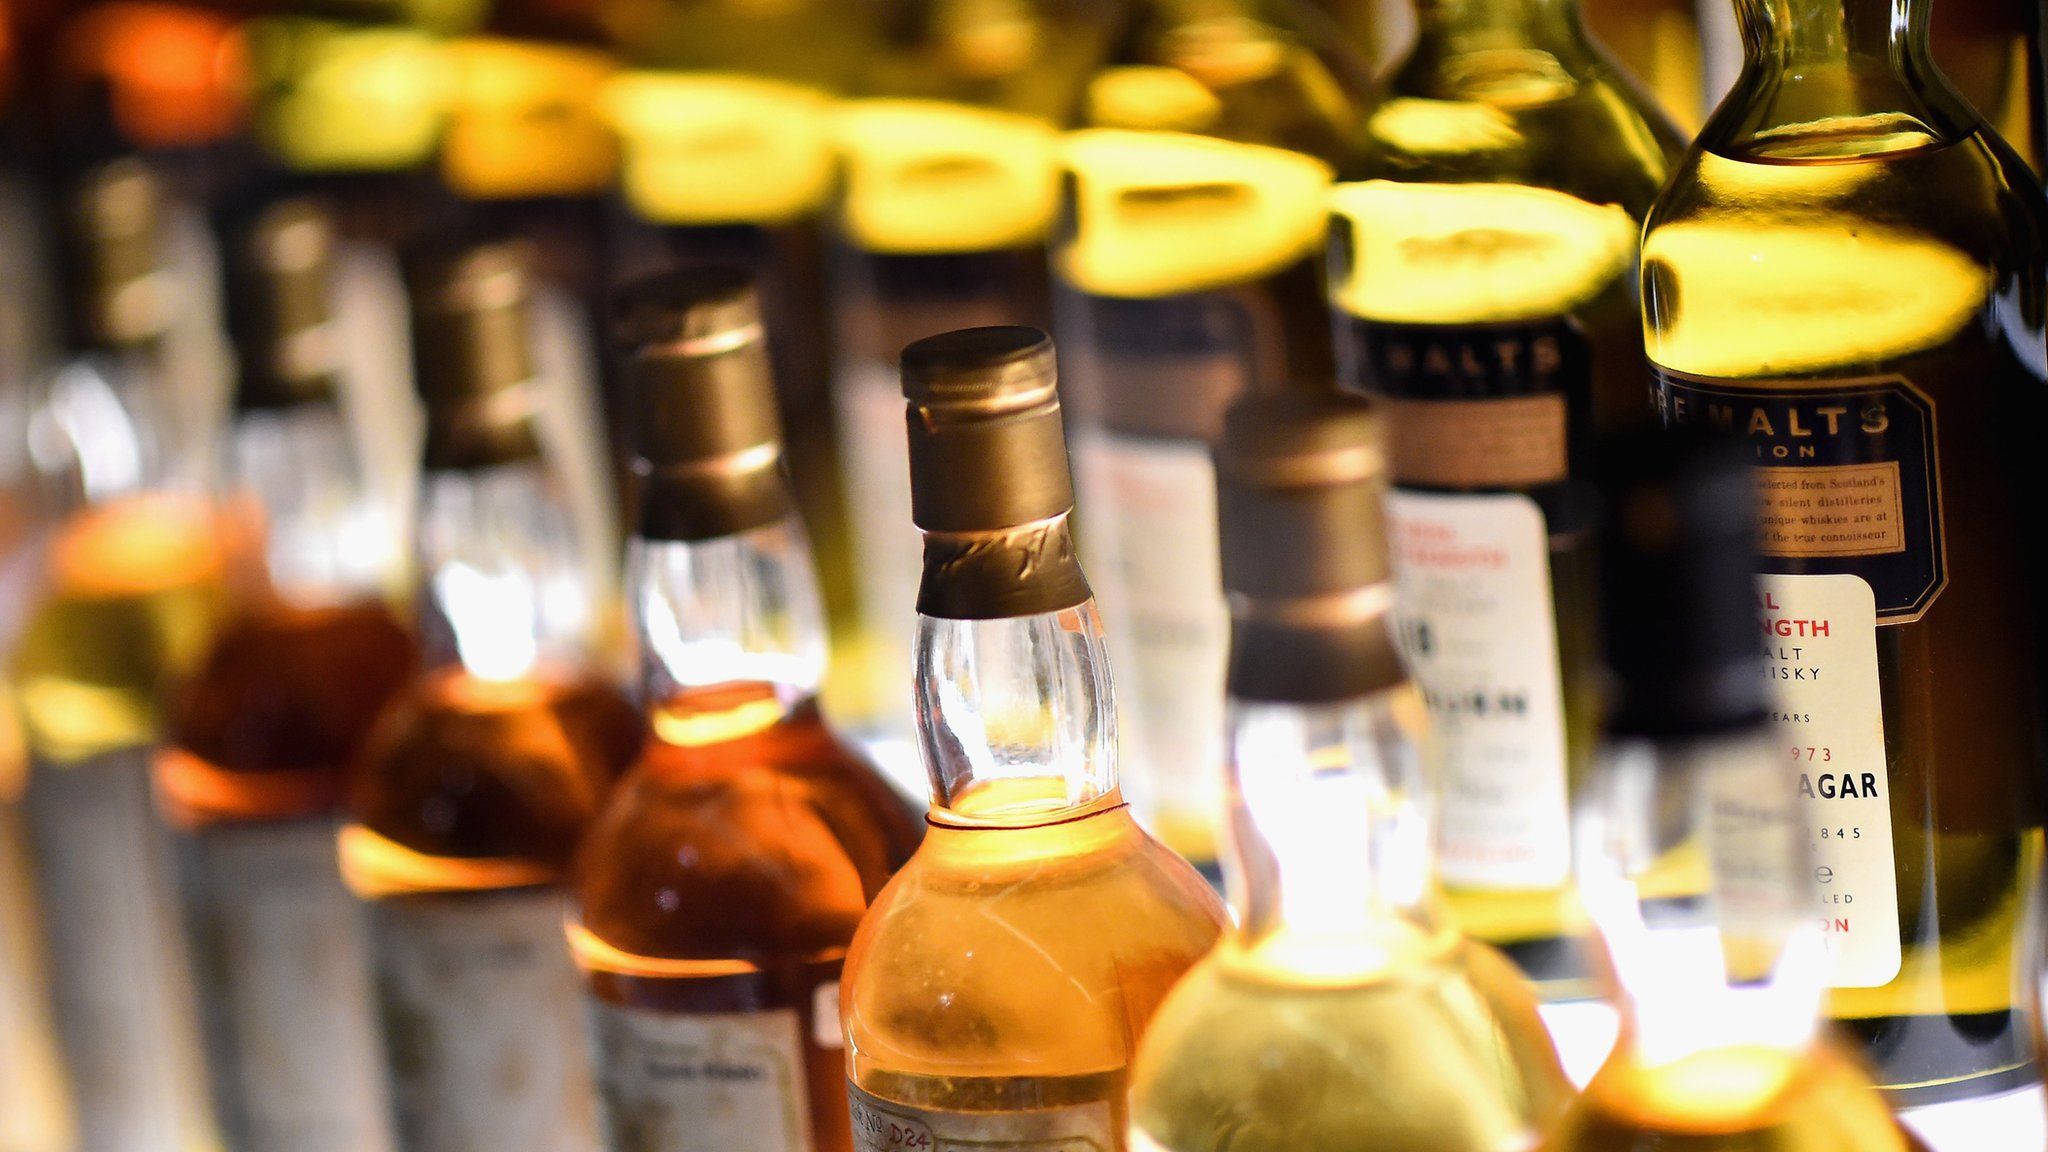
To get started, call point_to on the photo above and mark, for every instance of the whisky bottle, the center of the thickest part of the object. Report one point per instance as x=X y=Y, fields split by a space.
x=717 y=891
x=1659 y=42
x=727 y=158
x=125 y=572
x=1483 y=236
x=1341 y=1011
x=481 y=777
x=1694 y=846
x=1846 y=270
x=263 y=734
x=1188 y=271
x=996 y=991
x=951 y=185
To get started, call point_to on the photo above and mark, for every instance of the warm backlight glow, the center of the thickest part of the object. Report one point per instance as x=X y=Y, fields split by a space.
x=525 y=121
x=334 y=97
x=713 y=148
x=374 y=866
x=927 y=176
x=176 y=75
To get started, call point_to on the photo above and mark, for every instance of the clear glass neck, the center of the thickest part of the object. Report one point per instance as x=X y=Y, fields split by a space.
x=325 y=537
x=1015 y=717
x=96 y=431
x=502 y=586
x=1509 y=21
x=1328 y=833
x=1806 y=31
x=734 y=610
x=1694 y=864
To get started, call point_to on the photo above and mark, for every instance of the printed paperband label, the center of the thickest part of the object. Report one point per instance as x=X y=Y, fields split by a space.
x=701 y=1082
x=884 y=1126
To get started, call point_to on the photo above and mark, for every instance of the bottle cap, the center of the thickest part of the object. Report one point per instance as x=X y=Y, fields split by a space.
x=472 y=350
x=707 y=440
x=1678 y=582
x=988 y=475
x=1300 y=480
x=118 y=293
x=279 y=276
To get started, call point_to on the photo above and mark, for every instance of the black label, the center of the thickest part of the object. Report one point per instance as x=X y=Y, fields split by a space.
x=1468 y=361
x=1848 y=480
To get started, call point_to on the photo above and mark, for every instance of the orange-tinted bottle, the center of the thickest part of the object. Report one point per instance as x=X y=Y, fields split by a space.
x=262 y=735
x=480 y=780
x=717 y=892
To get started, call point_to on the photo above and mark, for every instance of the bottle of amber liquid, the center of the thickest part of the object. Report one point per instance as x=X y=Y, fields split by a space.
x=1846 y=269
x=122 y=598
x=996 y=992
x=480 y=779
x=1483 y=238
x=1187 y=272
x=264 y=732
x=717 y=891
x=1694 y=843
x=1342 y=1011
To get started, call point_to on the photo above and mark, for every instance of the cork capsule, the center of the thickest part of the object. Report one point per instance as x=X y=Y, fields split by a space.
x=111 y=258
x=473 y=361
x=1300 y=482
x=707 y=442
x=279 y=280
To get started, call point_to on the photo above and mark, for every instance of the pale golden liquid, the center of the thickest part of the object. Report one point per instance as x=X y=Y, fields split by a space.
x=1409 y=1043
x=1854 y=246
x=1734 y=1100
x=1017 y=967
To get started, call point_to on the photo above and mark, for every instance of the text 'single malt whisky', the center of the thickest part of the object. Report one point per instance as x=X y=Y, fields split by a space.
x=1187 y=270
x=717 y=891
x=1482 y=251
x=1846 y=271
x=264 y=732
x=126 y=592
x=1341 y=1011
x=949 y=190
x=996 y=991
x=1693 y=851
x=473 y=790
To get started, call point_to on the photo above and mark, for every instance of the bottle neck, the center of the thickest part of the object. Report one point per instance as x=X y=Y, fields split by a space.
x=1693 y=864
x=502 y=588
x=1496 y=23
x=1793 y=33
x=294 y=472
x=737 y=612
x=1329 y=845
x=1015 y=715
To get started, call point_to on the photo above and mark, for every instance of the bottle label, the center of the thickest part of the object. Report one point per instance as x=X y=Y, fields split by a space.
x=1477 y=628
x=1152 y=528
x=925 y=176
x=1820 y=633
x=483 y=1023
x=118 y=988
x=885 y=1126
x=282 y=963
x=701 y=1082
x=1847 y=477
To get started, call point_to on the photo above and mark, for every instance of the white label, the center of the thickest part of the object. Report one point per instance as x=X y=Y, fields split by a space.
x=1478 y=631
x=889 y=548
x=483 y=1023
x=701 y=1082
x=119 y=990
x=825 y=1030
x=1821 y=635
x=884 y=1126
x=1150 y=533
x=282 y=962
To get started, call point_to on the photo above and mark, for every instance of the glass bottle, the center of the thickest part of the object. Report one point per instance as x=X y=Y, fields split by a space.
x=951 y=185
x=1187 y=271
x=996 y=991
x=1846 y=268
x=482 y=776
x=125 y=570
x=1694 y=846
x=263 y=734
x=717 y=891
x=1482 y=260
x=1341 y=1011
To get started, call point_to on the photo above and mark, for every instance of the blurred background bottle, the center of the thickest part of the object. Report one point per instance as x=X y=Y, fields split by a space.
x=1187 y=268
x=717 y=891
x=479 y=781
x=1482 y=262
x=1847 y=268
x=264 y=731
x=949 y=187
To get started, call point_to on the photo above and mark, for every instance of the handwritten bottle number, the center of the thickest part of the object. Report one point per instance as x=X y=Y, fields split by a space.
x=902 y=1136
